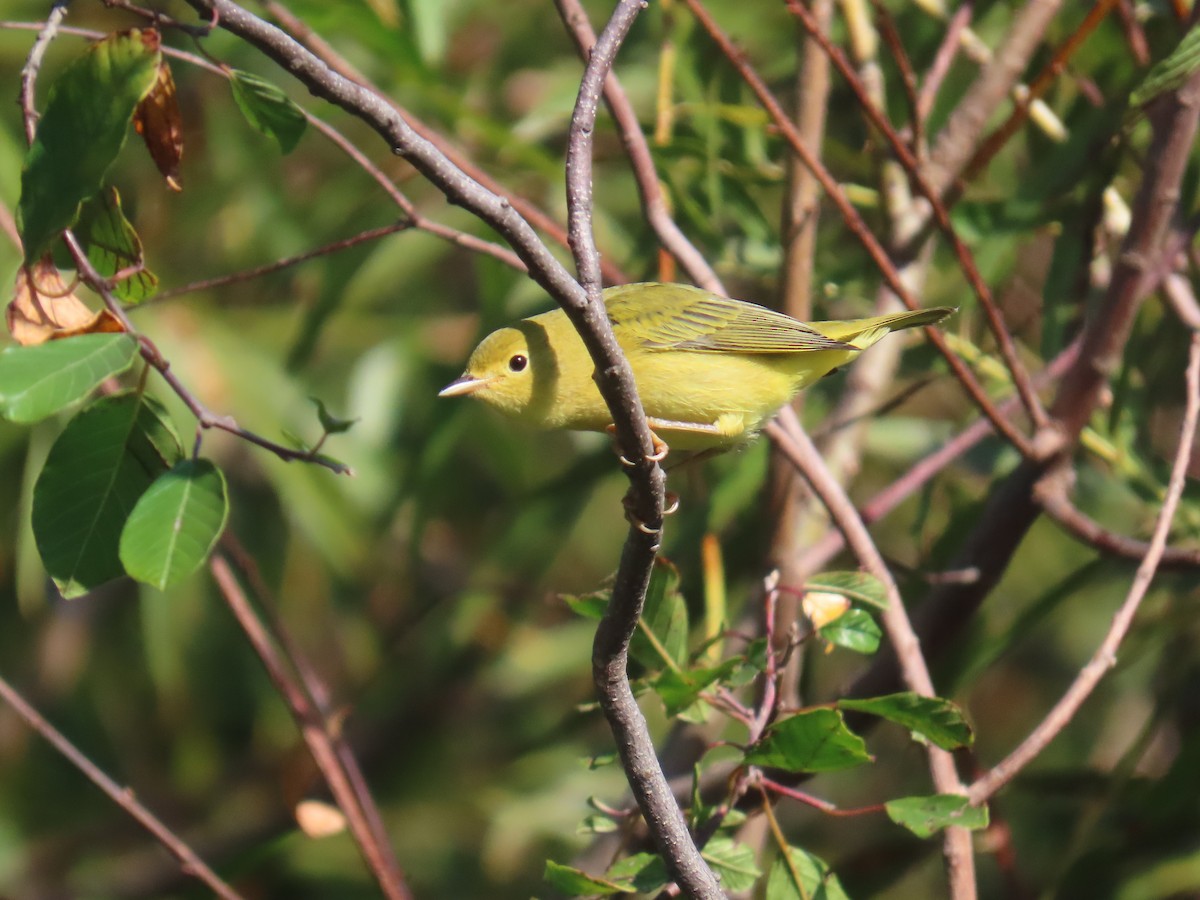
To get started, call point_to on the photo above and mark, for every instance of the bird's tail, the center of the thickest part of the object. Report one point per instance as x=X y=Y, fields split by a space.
x=862 y=333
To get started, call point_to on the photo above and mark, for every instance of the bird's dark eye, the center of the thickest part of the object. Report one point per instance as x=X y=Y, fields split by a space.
x=518 y=363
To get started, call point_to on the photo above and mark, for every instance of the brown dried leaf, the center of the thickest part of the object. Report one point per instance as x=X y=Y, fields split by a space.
x=158 y=120
x=45 y=308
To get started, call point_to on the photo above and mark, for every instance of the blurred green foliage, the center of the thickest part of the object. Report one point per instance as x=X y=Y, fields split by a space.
x=426 y=589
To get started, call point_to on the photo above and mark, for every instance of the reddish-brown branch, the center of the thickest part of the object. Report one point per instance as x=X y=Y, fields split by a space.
x=1105 y=656
x=531 y=213
x=316 y=731
x=913 y=169
x=855 y=223
x=995 y=141
x=789 y=436
x=190 y=863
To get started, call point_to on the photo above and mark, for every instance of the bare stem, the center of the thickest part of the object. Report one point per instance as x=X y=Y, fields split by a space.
x=190 y=863
x=316 y=732
x=1105 y=656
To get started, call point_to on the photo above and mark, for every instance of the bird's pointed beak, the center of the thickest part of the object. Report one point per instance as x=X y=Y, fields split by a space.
x=463 y=385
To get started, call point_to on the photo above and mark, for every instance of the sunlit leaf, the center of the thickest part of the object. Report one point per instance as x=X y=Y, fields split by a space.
x=175 y=524
x=36 y=382
x=934 y=718
x=816 y=740
x=268 y=109
x=45 y=308
x=102 y=463
x=925 y=816
x=81 y=132
x=858 y=586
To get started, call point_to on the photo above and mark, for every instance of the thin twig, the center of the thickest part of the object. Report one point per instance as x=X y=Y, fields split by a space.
x=960 y=136
x=33 y=64
x=789 y=436
x=913 y=169
x=654 y=206
x=610 y=650
x=993 y=143
x=316 y=731
x=925 y=470
x=856 y=224
x=321 y=50
x=190 y=863
x=1105 y=656
x=207 y=284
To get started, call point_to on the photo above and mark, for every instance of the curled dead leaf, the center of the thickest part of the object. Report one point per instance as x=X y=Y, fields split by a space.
x=45 y=308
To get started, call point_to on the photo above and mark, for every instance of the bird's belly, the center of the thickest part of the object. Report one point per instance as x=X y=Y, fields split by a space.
x=702 y=388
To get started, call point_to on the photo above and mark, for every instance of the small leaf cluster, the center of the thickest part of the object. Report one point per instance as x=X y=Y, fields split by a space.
x=693 y=684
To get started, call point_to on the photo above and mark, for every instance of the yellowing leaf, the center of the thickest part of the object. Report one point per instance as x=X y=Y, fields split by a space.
x=44 y=308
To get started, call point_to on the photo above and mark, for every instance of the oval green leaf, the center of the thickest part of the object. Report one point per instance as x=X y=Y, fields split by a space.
x=925 y=816
x=661 y=637
x=934 y=718
x=36 y=382
x=813 y=741
x=268 y=109
x=102 y=463
x=175 y=524
x=81 y=132
x=858 y=586
x=855 y=630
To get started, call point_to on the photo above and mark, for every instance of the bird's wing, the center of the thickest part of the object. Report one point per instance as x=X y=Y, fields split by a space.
x=679 y=317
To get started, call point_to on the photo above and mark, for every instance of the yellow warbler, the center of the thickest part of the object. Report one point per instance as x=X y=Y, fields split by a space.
x=710 y=370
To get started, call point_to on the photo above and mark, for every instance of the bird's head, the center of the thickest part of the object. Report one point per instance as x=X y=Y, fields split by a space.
x=500 y=371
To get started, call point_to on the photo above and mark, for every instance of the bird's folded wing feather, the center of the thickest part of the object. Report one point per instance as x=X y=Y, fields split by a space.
x=675 y=317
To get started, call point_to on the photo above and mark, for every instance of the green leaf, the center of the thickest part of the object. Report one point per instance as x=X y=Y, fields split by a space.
x=81 y=132
x=1169 y=73
x=268 y=109
x=858 y=586
x=589 y=606
x=662 y=632
x=36 y=382
x=575 y=882
x=925 y=816
x=934 y=718
x=113 y=244
x=680 y=689
x=175 y=524
x=733 y=863
x=855 y=630
x=643 y=873
x=102 y=463
x=813 y=741
x=798 y=875
x=331 y=423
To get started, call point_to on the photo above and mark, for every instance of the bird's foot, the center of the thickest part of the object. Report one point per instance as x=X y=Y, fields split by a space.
x=659 y=448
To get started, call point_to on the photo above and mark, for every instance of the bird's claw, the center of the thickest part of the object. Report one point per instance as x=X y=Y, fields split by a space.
x=671 y=506
x=658 y=449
